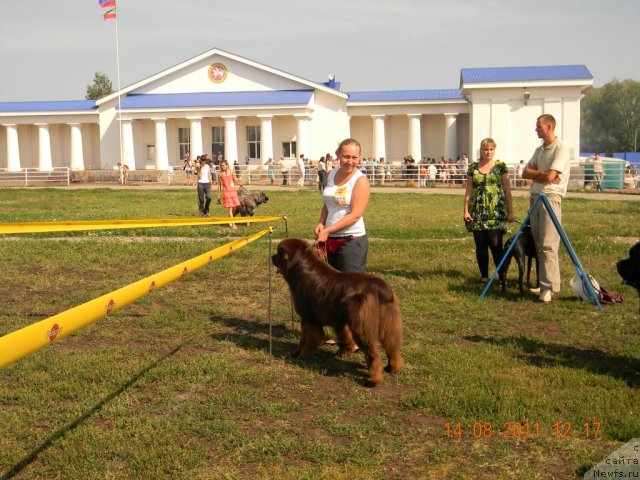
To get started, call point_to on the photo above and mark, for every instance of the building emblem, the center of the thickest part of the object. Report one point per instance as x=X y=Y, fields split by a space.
x=218 y=73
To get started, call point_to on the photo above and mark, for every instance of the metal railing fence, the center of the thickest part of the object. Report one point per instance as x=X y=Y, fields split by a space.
x=28 y=177
x=616 y=178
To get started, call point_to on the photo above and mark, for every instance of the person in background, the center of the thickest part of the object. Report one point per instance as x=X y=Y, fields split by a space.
x=227 y=188
x=381 y=171
x=422 y=182
x=464 y=163
x=204 y=186
x=187 y=166
x=125 y=174
x=520 y=182
x=120 y=173
x=300 y=165
x=341 y=227
x=271 y=172
x=598 y=171
x=284 y=170
x=432 y=172
x=488 y=206
x=549 y=170
x=322 y=173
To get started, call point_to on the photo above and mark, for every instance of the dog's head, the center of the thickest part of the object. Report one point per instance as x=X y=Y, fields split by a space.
x=629 y=268
x=259 y=197
x=288 y=251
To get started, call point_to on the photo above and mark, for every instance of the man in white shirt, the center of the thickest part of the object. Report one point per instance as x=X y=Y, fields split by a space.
x=300 y=163
x=549 y=170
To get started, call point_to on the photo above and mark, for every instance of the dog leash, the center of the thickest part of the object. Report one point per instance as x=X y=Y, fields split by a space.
x=321 y=248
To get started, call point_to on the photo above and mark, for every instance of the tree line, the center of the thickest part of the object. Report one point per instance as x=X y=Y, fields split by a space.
x=610 y=118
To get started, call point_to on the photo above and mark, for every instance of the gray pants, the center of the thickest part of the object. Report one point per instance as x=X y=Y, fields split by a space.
x=547 y=241
x=351 y=256
x=204 y=197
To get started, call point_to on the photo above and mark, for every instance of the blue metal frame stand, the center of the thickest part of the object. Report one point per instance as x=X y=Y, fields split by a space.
x=565 y=240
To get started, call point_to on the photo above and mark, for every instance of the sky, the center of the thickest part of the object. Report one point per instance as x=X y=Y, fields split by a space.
x=51 y=50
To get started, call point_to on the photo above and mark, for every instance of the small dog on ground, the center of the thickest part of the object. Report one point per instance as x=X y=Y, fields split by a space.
x=525 y=248
x=249 y=202
x=629 y=268
x=360 y=307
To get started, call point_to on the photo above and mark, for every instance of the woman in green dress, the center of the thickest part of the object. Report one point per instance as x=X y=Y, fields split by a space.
x=488 y=206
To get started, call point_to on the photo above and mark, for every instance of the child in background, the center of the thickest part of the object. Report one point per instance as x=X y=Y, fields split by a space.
x=226 y=186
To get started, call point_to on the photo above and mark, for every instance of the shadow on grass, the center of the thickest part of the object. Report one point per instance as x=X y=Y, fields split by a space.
x=462 y=282
x=591 y=360
x=22 y=464
x=253 y=335
x=417 y=274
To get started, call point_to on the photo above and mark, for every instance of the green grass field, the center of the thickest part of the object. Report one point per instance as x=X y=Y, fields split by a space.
x=181 y=385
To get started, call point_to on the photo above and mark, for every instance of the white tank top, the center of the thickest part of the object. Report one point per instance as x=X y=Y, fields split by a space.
x=204 y=174
x=337 y=199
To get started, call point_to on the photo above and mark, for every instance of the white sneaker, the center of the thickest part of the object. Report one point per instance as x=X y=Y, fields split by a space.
x=535 y=290
x=546 y=296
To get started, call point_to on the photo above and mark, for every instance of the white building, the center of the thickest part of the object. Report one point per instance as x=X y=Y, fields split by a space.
x=221 y=102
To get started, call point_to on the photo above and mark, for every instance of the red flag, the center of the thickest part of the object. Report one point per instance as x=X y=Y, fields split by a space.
x=110 y=14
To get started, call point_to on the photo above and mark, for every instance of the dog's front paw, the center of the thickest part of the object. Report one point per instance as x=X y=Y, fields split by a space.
x=346 y=351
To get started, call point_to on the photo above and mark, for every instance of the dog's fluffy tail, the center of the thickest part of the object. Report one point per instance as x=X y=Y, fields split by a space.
x=390 y=333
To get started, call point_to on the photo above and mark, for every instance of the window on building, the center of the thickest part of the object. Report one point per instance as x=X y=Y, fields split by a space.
x=150 y=160
x=184 y=141
x=289 y=149
x=253 y=141
x=217 y=140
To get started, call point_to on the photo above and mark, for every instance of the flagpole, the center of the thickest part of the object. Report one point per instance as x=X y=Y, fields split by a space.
x=119 y=104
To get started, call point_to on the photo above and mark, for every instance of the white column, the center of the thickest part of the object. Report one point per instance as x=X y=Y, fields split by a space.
x=44 y=148
x=162 y=150
x=302 y=145
x=415 y=137
x=230 y=140
x=128 y=153
x=13 y=149
x=266 y=136
x=196 y=148
x=77 y=158
x=379 y=146
x=450 y=136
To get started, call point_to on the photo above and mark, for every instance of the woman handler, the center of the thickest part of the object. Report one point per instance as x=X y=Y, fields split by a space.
x=345 y=197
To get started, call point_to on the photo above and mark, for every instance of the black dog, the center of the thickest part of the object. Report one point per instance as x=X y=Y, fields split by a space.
x=525 y=247
x=249 y=202
x=629 y=268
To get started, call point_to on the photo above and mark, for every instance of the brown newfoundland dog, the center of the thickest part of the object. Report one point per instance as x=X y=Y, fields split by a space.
x=361 y=308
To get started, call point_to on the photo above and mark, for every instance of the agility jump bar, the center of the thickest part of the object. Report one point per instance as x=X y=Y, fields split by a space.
x=27 y=340
x=44 y=227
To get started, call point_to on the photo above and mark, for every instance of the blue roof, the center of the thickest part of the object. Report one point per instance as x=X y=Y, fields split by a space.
x=525 y=74
x=217 y=99
x=48 y=106
x=405 y=95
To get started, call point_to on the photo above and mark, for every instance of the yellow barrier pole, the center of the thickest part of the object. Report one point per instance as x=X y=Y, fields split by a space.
x=43 y=227
x=27 y=340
